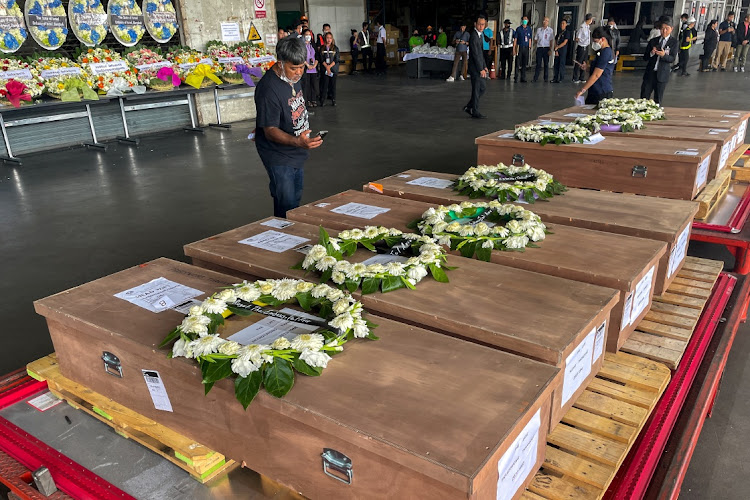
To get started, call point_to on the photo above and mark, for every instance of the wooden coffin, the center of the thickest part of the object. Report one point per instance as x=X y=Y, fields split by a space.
x=483 y=302
x=624 y=263
x=413 y=411
x=657 y=219
x=724 y=139
x=649 y=166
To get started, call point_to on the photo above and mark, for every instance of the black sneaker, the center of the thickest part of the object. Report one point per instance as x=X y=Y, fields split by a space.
x=478 y=116
x=468 y=110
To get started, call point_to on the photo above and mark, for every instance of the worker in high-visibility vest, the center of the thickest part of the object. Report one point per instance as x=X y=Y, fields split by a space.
x=688 y=35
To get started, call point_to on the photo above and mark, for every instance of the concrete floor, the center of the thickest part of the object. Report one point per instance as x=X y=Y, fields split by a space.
x=68 y=217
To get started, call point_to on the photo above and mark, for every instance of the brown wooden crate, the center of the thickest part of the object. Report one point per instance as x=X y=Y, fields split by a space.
x=641 y=216
x=382 y=415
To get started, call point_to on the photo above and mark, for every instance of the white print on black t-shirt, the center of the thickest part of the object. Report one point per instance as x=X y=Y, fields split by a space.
x=300 y=121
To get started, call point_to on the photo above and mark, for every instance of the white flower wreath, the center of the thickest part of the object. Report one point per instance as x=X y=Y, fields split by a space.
x=508 y=183
x=648 y=109
x=479 y=228
x=270 y=366
x=556 y=133
x=627 y=120
x=328 y=255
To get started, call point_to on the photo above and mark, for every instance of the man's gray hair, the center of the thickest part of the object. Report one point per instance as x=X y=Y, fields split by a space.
x=291 y=50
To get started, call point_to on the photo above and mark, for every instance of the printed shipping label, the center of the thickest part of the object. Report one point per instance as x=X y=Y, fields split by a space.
x=725 y=150
x=702 y=176
x=108 y=67
x=719 y=130
x=578 y=367
x=274 y=241
x=157 y=390
x=277 y=223
x=403 y=176
x=642 y=295
x=269 y=329
x=45 y=401
x=601 y=332
x=626 y=312
x=679 y=251
x=159 y=295
x=507 y=135
x=431 y=182
x=686 y=153
x=360 y=210
x=519 y=461
x=54 y=73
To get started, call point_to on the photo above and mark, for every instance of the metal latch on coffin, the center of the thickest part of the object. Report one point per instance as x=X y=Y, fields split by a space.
x=640 y=171
x=518 y=159
x=337 y=461
x=112 y=364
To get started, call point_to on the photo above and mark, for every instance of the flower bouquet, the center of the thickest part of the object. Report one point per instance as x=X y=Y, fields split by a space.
x=161 y=19
x=57 y=71
x=147 y=64
x=49 y=31
x=626 y=121
x=188 y=59
x=553 y=133
x=227 y=60
x=126 y=21
x=646 y=108
x=508 y=183
x=17 y=71
x=271 y=366
x=14 y=33
x=88 y=20
x=108 y=69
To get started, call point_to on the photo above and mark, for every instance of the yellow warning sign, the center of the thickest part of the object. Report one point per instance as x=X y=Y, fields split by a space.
x=253 y=35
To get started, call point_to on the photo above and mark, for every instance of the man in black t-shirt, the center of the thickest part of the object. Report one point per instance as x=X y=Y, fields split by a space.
x=282 y=133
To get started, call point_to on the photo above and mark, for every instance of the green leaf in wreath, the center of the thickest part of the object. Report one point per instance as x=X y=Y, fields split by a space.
x=326 y=309
x=298 y=265
x=438 y=274
x=367 y=245
x=305 y=300
x=414 y=224
x=278 y=377
x=323 y=237
x=544 y=142
x=391 y=283
x=326 y=276
x=484 y=254
x=474 y=195
x=352 y=285
x=207 y=388
x=246 y=388
x=370 y=285
x=239 y=311
x=468 y=249
x=170 y=338
x=306 y=369
x=218 y=370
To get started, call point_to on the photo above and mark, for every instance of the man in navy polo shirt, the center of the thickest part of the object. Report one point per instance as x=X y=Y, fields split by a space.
x=726 y=34
x=521 y=48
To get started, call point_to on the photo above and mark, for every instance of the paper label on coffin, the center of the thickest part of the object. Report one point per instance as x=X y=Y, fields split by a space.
x=274 y=241
x=431 y=182
x=642 y=295
x=359 y=210
x=594 y=139
x=577 y=115
x=677 y=255
x=702 y=176
x=277 y=223
x=599 y=341
x=268 y=329
x=384 y=259
x=159 y=295
x=507 y=135
x=157 y=390
x=725 y=150
x=517 y=463
x=578 y=366
x=626 y=312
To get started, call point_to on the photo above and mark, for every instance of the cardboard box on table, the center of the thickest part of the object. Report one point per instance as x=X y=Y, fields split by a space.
x=717 y=119
x=657 y=219
x=724 y=140
x=554 y=320
x=414 y=411
x=624 y=263
x=649 y=166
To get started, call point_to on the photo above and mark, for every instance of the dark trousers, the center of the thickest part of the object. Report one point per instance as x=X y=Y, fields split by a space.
x=542 y=59
x=380 y=58
x=487 y=61
x=478 y=87
x=286 y=187
x=522 y=60
x=651 y=84
x=506 y=62
x=327 y=87
x=310 y=86
x=559 y=73
x=595 y=98
x=582 y=54
x=367 y=59
x=355 y=56
x=684 y=58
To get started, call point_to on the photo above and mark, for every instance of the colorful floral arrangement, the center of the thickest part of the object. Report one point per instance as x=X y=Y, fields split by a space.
x=626 y=120
x=271 y=366
x=226 y=69
x=424 y=257
x=35 y=85
x=553 y=133
x=89 y=34
x=160 y=31
x=187 y=59
x=55 y=85
x=12 y=39
x=148 y=76
x=478 y=228
x=126 y=34
x=648 y=109
x=508 y=183
x=103 y=83
x=49 y=38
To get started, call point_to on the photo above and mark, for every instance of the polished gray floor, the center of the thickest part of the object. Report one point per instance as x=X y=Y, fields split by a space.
x=68 y=217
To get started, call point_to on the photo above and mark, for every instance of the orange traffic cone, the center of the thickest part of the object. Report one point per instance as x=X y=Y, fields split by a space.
x=492 y=72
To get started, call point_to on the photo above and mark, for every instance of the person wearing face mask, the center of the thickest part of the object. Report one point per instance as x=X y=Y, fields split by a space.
x=310 y=78
x=660 y=53
x=544 y=36
x=442 y=39
x=521 y=48
x=614 y=36
x=282 y=133
x=599 y=83
x=583 y=38
x=430 y=38
x=688 y=35
x=710 y=41
x=415 y=40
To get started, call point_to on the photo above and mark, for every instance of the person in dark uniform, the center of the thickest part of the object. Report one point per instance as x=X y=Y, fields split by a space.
x=355 y=50
x=505 y=40
x=710 y=42
x=363 y=39
x=660 y=53
x=563 y=41
x=521 y=46
x=688 y=35
x=477 y=67
x=599 y=83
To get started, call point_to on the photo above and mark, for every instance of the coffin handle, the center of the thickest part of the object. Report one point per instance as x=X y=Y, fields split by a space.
x=337 y=461
x=518 y=159
x=112 y=364
x=640 y=171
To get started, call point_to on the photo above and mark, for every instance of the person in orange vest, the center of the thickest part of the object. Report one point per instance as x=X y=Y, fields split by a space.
x=430 y=38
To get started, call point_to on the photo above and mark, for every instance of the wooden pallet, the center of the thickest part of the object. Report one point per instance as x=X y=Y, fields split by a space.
x=712 y=194
x=741 y=172
x=664 y=332
x=199 y=461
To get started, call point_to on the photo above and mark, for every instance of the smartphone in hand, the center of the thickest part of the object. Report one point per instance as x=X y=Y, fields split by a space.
x=321 y=134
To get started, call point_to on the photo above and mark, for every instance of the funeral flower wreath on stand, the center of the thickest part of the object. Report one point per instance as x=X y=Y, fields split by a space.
x=478 y=228
x=556 y=133
x=508 y=183
x=328 y=255
x=270 y=366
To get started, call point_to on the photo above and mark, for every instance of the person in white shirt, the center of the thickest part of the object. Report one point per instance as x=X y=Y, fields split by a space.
x=655 y=31
x=583 y=38
x=380 y=66
x=544 y=37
